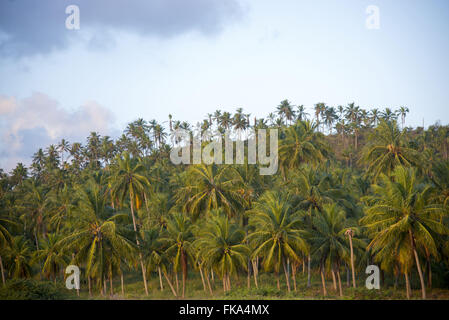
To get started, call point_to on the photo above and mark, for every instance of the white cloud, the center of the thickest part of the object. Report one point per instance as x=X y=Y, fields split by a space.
x=37 y=121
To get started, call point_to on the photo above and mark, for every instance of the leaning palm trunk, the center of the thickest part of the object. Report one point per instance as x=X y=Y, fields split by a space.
x=418 y=265
x=122 y=284
x=208 y=282
x=169 y=283
x=160 y=278
x=2 y=271
x=142 y=266
x=202 y=278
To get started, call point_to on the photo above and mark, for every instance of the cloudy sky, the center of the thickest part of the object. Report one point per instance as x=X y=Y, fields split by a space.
x=149 y=58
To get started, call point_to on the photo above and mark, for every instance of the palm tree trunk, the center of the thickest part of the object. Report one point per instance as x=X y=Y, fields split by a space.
x=339 y=283
x=287 y=280
x=294 y=268
x=184 y=272
x=142 y=266
x=122 y=284
x=323 y=281
x=177 y=282
x=255 y=273
x=352 y=261
x=308 y=272
x=249 y=274
x=169 y=283
x=208 y=283
x=229 y=282
x=160 y=278
x=224 y=283
x=334 y=280
x=407 y=285
x=2 y=271
x=202 y=278
x=418 y=266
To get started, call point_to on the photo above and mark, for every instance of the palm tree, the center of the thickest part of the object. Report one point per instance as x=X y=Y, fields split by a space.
x=402 y=111
x=301 y=145
x=100 y=238
x=387 y=149
x=209 y=187
x=220 y=246
x=328 y=241
x=388 y=115
x=301 y=113
x=52 y=256
x=400 y=214
x=18 y=258
x=285 y=110
x=375 y=116
x=63 y=146
x=180 y=237
x=5 y=241
x=277 y=237
x=129 y=180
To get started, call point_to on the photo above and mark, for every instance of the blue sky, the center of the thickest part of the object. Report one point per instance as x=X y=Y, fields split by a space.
x=188 y=58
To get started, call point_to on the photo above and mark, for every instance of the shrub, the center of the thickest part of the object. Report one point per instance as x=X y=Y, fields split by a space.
x=27 y=289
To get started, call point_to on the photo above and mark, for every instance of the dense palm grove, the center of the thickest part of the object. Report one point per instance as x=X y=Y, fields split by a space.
x=354 y=187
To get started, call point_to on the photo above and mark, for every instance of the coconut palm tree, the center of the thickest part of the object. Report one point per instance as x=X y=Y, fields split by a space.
x=52 y=256
x=277 y=237
x=220 y=245
x=302 y=145
x=329 y=242
x=129 y=181
x=387 y=149
x=18 y=258
x=209 y=187
x=400 y=210
x=179 y=237
x=285 y=110
x=100 y=238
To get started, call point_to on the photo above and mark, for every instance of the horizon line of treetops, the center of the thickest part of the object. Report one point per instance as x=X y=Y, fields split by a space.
x=373 y=192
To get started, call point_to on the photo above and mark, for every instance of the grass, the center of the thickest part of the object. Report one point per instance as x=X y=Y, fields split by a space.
x=267 y=290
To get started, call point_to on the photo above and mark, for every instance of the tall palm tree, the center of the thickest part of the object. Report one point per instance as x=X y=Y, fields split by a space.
x=400 y=212
x=387 y=149
x=302 y=145
x=277 y=237
x=180 y=237
x=328 y=241
x=100 y=237
x=129 y=181
x=285 y=110
x=18 y=258
x=220 y=245
x=301 y=113
x=209 y=187
x=53 y=257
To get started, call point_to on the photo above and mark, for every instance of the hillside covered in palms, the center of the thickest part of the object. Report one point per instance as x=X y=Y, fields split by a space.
x=354 y=188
